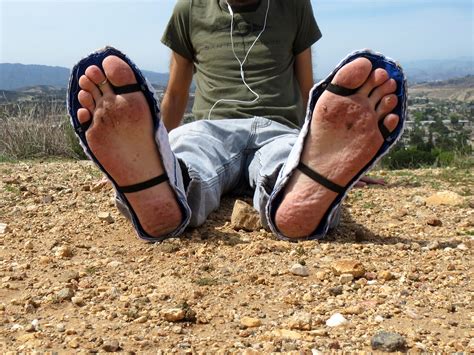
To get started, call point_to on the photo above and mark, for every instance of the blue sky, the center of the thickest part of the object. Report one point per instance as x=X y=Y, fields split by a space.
x=61 y=32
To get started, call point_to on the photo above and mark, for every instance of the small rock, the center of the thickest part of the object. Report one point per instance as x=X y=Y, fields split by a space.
x=245 y=217
x=434 y=222
x=173 y=314
x=336 y=320
x=64 y=251
x=353 y=310
x=348 y=266
x=74 y=343
x=287 y=334
x=68 y=276
x=4 y=228
x=301 y=321
x=249 y=322
x=47 y=199
x=378 y=318
x=106 y=216
x=418 y=201
x=346 y=278
x=387 y=341
x=299 y=270
x=445 y=198
x=60 y=327
x=335 y=291
x=111 y=346
x=386 y=275
x=29 y=245
x=462 y=246
x=78 y=301
x=114 y=263
x=65 y=294
x=433 y=246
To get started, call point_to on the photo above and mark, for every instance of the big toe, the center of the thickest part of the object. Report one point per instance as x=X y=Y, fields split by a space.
x=353 y=74
x=118 y=72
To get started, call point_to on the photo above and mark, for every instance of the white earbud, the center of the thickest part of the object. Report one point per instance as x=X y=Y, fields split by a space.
x=242 y=74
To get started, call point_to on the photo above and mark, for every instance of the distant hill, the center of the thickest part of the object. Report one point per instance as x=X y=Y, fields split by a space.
x=460 y=89
x=18 y=76
x=436 y=70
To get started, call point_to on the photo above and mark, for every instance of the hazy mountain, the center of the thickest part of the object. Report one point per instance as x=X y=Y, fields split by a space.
x=436 y=70
x=18 y=76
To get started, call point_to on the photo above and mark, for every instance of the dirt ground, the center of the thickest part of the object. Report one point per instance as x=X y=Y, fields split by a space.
x=74 y=278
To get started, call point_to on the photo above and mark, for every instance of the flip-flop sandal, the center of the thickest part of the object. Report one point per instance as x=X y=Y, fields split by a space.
x=172 y=172
x=390 y=138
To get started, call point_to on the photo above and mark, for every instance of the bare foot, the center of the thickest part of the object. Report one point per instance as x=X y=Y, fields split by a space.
x=121 y=137
x=344 y=136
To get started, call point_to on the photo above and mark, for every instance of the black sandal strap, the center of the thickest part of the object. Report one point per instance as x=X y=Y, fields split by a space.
x=84 y=126
x=143 y=185
x=385 y=132
x=340 y=90
x=320 y=179
x=127 y=89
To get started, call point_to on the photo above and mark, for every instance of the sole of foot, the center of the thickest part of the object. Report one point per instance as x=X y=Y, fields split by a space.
x=121 y=137
x=343 y=138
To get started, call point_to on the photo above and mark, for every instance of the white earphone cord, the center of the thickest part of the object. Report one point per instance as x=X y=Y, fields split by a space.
x=242 y=73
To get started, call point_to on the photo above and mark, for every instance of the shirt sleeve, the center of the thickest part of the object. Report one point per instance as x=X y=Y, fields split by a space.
x=307 y=29
x=177 y=33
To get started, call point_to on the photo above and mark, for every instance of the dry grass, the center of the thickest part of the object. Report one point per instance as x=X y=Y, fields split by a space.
x=35 y=130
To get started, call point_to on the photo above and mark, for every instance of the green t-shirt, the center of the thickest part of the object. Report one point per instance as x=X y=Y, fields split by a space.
x=199 y=30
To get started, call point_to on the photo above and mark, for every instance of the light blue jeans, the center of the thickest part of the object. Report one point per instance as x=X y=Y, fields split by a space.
x=232 y=155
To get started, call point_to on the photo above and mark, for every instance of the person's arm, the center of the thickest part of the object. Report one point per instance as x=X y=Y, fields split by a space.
x=304 y=73
x=176 y=95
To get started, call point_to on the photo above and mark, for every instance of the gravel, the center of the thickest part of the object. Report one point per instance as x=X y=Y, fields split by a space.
x=72 y=281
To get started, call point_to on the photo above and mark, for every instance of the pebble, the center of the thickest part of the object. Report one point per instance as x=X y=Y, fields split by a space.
x=300 y=321
x=299 y=270
x=173 y=314
x=29 y=245
x=348 y=266
x=386 y=275
x=336 y=291
x=434 y=222
x=353 y=310
x=336 y=320
x=78 y=301
x=106 y=216
x=64 y=251
x=4 y=228
x=387 y=341
x=65 y=294
x=250 y=322
x=346 y=278
x=111 y=346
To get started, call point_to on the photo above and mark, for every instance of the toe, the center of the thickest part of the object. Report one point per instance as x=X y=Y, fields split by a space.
x=391 y=121
x=387 y=105
x=98 y=78
x=118 y=71
x=86 y=84
x=388 y=87
x=377 y=77
x=86 y=100
x=353 y=74
x=83 y=115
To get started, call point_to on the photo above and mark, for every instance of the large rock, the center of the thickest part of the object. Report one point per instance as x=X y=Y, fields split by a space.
x=445 y=198
x=387 y=341
x=245 y=217
x=348 y=266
